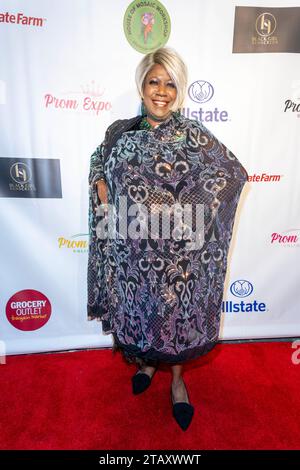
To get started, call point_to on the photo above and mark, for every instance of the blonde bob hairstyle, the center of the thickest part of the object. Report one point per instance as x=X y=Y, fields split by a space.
x=174 y=65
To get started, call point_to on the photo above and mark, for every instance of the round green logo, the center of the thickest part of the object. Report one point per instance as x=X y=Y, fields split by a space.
x=147 y=25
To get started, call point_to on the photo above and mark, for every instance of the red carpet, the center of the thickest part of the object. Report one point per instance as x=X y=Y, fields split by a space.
x=246 y=396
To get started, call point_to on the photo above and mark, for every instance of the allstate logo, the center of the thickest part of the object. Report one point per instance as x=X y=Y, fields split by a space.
x=241 y=288
x=201 y=91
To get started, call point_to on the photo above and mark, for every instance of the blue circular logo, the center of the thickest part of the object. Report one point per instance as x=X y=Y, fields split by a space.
x=201 y=91
x=241 y=288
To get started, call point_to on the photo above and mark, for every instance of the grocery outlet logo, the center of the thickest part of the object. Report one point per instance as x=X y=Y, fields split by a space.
x=28 y=310
x=21 y=19
x=242 y=288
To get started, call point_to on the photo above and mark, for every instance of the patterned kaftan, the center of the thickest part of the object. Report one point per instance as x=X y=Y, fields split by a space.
x=159 y=299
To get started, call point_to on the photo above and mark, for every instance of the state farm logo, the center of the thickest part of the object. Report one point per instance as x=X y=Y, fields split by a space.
x=289 y=238
x=88 y=99
x=264 y=178
x=20 y=173
x=28 y=310
x=23 y=20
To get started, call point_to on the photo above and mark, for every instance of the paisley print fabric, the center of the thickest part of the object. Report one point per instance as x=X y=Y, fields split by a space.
x=158 y=297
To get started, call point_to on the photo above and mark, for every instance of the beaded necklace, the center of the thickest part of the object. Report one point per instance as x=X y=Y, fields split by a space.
x=145 y=125
x=169 y=135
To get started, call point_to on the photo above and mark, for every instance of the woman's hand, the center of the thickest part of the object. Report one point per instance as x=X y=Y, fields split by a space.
x=102 y=191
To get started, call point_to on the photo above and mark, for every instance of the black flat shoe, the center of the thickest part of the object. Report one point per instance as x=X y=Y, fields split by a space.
x=183 y=412
x=140 y=382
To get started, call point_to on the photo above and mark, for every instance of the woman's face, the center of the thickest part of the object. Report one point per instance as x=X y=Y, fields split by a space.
x=159 y=92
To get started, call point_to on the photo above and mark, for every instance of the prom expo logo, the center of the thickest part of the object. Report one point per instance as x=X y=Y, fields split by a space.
x=201 y=92
x=76 y=243
x=292 y=104
x=88 y=99
x=28 y=310
x=242 y=289
x=287 y=239
x=21 y=19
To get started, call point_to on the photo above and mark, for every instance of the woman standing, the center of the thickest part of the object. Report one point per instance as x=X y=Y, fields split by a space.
x=160 y=296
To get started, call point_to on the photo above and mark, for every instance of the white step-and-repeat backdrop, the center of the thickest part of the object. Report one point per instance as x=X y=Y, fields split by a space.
x=66 y=72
